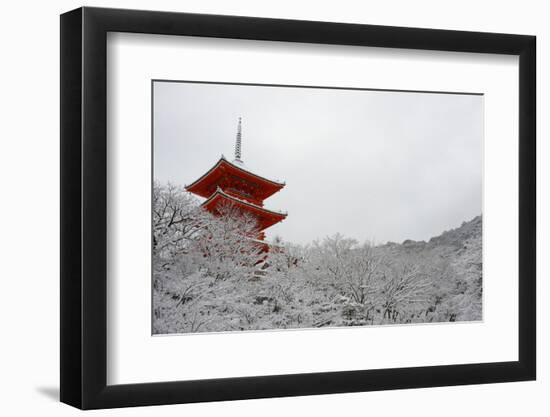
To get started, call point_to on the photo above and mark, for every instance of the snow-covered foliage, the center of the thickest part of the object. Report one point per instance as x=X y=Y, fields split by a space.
x=209 y=274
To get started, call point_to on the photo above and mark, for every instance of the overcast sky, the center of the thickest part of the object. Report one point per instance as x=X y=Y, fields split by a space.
x=382 y=166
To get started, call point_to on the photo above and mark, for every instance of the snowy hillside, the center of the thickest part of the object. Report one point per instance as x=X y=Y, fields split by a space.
x=208 y=277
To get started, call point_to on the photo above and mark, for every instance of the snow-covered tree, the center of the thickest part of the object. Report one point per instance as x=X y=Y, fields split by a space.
x=403 y=292
x=176 y=222
x=228 y=244
x=351 y=268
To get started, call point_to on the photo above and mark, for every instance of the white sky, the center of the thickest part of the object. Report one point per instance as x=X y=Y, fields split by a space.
x=382 y=166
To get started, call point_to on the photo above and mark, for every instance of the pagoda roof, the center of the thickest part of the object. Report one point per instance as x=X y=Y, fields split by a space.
x=266 y=217
x=202 y=186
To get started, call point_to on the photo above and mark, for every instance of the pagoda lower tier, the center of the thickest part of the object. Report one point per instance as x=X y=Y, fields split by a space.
x=263 y=216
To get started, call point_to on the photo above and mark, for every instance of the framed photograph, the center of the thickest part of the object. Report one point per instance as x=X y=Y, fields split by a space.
x=256 y=208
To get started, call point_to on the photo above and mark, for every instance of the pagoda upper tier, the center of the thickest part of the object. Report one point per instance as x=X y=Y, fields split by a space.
x=235 y=180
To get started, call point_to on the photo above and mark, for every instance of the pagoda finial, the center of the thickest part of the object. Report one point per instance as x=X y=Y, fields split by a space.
x=238 y=142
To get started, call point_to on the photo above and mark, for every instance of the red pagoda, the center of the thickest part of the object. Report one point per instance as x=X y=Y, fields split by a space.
x=231 y=183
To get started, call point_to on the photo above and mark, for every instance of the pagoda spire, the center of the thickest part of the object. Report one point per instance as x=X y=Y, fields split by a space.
x=238 y=141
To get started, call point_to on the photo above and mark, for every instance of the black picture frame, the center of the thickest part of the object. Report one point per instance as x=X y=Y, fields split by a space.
x=84 y=207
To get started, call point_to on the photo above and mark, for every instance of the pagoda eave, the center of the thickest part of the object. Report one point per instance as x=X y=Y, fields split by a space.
x=223 y=168
x=265 y=217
